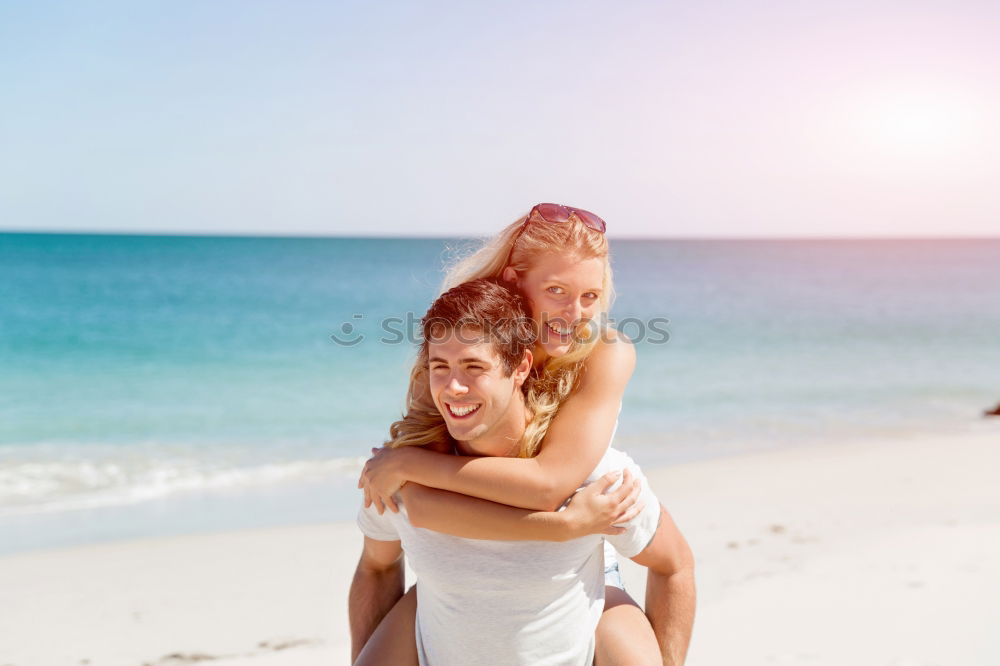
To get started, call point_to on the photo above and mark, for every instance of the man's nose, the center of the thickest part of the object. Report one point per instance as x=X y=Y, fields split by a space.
x=455 y=387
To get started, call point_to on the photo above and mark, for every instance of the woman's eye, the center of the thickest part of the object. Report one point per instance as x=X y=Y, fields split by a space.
x=555 y=290
x=591 y=295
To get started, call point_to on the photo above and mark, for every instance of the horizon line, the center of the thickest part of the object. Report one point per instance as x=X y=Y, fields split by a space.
x=315 y=236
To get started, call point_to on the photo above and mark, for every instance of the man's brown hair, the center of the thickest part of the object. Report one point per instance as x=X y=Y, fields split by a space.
x=490 y=307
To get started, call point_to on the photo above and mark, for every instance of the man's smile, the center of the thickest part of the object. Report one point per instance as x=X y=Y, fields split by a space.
x=461 y=410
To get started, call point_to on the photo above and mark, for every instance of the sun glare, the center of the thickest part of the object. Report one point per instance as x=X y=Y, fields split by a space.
x=918 y=125
x=896 y=134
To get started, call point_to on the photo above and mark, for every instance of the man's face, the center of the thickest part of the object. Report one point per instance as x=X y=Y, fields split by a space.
x=470 y=390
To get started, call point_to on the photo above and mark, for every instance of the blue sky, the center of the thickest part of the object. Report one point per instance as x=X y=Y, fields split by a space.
x=448 y=118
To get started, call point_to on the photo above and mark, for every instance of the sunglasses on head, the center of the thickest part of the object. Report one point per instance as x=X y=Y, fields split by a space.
x=557 y=214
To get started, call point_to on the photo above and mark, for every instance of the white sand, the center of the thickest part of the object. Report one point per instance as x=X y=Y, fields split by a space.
x=862 y=554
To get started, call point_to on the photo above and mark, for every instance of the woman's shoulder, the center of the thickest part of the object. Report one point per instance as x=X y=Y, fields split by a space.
x=613 y=344
x=613 y=354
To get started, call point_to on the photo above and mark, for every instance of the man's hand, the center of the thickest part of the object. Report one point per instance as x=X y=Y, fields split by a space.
x=593 y=510
x=382 y=477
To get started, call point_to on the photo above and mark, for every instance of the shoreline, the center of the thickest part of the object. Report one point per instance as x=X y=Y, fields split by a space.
x=208 y=510
x=875 y=552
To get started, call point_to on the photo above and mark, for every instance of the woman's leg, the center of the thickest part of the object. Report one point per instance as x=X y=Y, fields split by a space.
x=624 y=635
x=394 y=641
x=670 y=588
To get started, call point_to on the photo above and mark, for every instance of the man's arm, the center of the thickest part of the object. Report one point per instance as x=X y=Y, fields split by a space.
x=670 y=589
x=377 y=586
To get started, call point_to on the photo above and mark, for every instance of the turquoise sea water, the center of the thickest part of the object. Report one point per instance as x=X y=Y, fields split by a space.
x=154 y=384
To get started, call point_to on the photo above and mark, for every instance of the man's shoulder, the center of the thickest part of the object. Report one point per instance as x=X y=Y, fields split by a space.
x=381 y=527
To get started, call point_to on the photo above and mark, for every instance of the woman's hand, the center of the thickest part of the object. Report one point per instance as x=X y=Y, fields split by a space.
x=381 y=477
x=595 y=511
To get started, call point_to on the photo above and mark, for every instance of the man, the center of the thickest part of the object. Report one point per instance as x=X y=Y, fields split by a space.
x=481 y=601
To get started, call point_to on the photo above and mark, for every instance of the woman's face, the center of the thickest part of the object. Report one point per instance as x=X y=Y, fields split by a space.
x=564 y=293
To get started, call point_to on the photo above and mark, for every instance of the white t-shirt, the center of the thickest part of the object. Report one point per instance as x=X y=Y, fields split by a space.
x=535 y=603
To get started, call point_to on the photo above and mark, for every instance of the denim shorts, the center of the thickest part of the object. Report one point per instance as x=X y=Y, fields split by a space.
x=613 y=576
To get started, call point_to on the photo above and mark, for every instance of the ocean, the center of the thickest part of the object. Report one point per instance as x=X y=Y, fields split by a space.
x=157 y=385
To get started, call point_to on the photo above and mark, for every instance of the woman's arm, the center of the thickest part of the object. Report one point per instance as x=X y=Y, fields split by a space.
x=590 y=511
x=578 y=436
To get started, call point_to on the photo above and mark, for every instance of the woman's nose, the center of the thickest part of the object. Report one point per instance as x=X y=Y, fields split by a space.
x=572 y=312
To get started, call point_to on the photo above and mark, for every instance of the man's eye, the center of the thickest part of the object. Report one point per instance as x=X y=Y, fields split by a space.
x=438 y=367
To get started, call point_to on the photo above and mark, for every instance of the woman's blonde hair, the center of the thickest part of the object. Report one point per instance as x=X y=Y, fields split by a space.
x=519 y=246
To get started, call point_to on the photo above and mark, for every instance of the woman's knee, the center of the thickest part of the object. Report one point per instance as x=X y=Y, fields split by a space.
x=394 y=640
x=624 y=635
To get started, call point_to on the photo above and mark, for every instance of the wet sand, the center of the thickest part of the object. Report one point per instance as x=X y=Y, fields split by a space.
x=875 y=552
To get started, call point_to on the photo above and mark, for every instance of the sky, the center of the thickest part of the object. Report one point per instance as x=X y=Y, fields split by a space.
x=667 y=119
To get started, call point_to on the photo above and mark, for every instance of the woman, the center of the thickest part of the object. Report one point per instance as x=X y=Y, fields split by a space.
x=558 y=258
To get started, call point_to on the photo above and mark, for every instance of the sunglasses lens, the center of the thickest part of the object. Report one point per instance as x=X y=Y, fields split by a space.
x=591 y=220
x=553 y=212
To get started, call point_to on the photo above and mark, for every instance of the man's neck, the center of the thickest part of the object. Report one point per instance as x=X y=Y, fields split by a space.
x=504 y=438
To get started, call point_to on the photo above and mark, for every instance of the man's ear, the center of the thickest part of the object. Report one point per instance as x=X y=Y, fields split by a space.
x=523 y=369
x=509 y=275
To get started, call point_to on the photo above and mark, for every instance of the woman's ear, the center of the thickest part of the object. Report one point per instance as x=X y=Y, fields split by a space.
x=509 y=275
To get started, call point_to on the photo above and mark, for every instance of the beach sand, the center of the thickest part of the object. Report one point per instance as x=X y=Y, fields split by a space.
x=866 y=553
